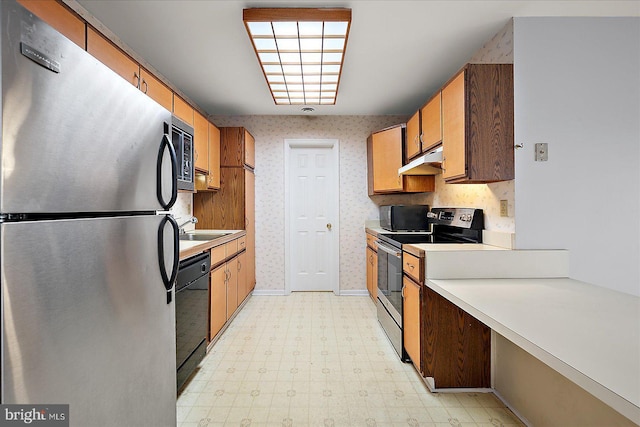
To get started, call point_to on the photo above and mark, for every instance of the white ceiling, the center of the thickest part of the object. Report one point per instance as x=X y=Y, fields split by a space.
x=398 y=53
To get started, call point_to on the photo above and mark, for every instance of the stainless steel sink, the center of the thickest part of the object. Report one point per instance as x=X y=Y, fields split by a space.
x=202 y=236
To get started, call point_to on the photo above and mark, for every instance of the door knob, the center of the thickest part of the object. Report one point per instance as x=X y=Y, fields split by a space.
x=329 y=226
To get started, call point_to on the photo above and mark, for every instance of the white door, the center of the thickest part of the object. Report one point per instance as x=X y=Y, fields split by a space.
x=312 y=202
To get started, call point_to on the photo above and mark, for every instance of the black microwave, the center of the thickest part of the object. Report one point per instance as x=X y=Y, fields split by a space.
x=182 y=140
x=404 y=217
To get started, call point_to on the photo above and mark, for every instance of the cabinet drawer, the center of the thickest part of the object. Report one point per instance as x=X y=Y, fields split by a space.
x=242 y=243
x=218 y=254
x=371 y=242
x=232 y=248
x=412 y=267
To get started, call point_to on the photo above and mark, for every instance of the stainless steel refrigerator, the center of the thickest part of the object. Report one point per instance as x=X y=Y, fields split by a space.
x=88 y=254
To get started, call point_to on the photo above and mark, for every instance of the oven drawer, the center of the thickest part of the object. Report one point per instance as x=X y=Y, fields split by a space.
x=413 y=267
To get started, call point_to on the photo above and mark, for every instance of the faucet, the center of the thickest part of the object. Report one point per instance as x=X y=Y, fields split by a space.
x=191 y=220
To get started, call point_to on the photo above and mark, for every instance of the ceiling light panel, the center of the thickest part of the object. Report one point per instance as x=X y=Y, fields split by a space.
x=301 y=51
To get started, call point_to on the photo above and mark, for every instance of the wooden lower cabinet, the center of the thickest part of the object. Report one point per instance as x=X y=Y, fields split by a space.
x=243 y=284
x=228 y=287
x=232 y=287
x=456 y=346
x=218 y=310
x=411 y=320
x=372 y=273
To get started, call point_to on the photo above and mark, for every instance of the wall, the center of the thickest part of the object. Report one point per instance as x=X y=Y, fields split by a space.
x=544 y=397
x=577 y=88
x=355 y=207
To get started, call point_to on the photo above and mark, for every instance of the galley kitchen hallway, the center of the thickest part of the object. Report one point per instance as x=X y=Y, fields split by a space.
x=316 y=359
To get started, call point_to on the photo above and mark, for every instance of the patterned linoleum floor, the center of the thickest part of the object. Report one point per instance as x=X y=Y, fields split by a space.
x=315 y=359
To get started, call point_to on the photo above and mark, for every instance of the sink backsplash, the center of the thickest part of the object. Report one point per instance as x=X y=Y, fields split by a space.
x=183 y=209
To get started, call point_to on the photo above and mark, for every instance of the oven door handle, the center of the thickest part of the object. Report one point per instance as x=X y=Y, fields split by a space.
x=388 y=249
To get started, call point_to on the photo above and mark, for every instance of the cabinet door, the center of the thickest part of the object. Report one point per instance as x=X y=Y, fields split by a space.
x=457 y=346
x=374 y=280
x=412 y=144
x=182 y=110
x=232 y=287
x=387 y=159
x=368 y=252
x=213 y=179
x=243 y=289
x=218 y=312
x=250 y=226
x=107 y=53
x=453 y=128
x=411 y=320
x=59 y=17
x=372 y=273
x=431 y=115
x=155 y=89
x=201 y=142
x=249 y=149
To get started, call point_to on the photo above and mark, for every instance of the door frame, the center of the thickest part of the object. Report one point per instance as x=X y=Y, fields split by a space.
x=289 y=146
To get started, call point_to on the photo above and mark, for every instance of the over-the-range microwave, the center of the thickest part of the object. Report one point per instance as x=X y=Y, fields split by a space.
x=182 y=140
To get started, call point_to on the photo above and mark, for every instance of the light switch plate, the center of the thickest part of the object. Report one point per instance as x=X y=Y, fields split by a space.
x=542 y=152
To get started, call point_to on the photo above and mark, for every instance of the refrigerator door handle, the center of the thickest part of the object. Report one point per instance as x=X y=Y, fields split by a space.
x=164 y=145
x=168 y=280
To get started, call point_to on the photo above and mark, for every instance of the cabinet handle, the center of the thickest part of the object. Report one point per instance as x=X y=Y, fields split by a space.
x=421 y=140
x=146 y=86
x=239 y=265
x=402 y=291
x=411 y=266
x=137 y=79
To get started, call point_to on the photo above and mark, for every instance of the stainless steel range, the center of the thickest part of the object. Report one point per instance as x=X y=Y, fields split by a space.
x=448 y=225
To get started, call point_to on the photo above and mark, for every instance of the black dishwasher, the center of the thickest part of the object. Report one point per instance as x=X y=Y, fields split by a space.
x=192 y=306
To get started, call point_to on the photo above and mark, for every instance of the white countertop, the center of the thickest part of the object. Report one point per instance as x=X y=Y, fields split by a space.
x=588 y=333
x=449 y=247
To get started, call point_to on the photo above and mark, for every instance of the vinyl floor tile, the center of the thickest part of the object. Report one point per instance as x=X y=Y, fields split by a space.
x=315 y=359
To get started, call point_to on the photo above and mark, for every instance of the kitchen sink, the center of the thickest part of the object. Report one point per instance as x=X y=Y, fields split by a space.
x=200 y=237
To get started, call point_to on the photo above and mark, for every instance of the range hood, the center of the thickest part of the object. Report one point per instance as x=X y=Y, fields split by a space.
x=429 y=164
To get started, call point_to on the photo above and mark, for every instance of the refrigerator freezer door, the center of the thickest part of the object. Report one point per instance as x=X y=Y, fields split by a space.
x=76 y=137
x=86 y=320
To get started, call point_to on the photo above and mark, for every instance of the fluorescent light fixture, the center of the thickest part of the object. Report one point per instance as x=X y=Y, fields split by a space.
x=301 y=51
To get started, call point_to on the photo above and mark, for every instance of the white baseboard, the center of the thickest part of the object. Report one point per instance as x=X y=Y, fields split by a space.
x=512 y=409
x=354 y=293
x=268 y=292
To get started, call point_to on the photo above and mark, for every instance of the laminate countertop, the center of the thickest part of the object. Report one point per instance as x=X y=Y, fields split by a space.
x=588 y=333
x=193 y=247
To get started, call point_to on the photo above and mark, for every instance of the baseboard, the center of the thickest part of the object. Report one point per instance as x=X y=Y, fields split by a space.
x=512 y=409
x=268 y=292
x=354 y=293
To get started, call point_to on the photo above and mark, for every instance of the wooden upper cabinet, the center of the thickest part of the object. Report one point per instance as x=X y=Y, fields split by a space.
x=453 y=110
x=237 y=147
x=477 y=125
x=111 y=56
x=59 y=17
x=412 y=147
x=213 y=179
x=384 y=158
x=431 y=124
x=182 y=110
x=155 y=89
x=249 y=149
x=201 y=142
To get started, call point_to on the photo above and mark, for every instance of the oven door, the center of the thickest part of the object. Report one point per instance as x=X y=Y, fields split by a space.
x=390 y=280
